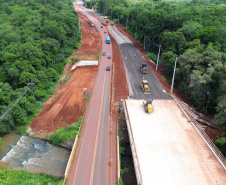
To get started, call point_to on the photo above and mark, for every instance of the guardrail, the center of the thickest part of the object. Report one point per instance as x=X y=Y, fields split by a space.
x=206 y=138
x=73 y=149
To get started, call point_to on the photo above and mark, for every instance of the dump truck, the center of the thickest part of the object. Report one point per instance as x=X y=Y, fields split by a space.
x=112 y=23
x=148 y=107
x=108 y=40
x=144 y=87
x=143 y=68
x=104 y=23
x=105 y=17
x=107 y=20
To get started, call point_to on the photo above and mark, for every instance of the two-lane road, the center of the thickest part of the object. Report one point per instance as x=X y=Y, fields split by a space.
x=90 y=166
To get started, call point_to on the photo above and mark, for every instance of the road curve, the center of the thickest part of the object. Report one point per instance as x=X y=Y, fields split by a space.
x=90 y=165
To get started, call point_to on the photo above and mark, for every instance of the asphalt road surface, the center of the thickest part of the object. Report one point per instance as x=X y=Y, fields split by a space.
x=132 y=61
x=90 y=166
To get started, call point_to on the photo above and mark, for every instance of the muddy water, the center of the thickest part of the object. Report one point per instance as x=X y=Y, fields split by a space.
x=34 y=155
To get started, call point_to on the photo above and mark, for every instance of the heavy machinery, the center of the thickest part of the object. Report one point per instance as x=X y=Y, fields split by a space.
x=143 y=68
x=144 y=86
x=104 y=23
x=147 y=104
x=112 y=23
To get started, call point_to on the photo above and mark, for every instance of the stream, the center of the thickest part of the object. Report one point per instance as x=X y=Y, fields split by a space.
x=33 y=155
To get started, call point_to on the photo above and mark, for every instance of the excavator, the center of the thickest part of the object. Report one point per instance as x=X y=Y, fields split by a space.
x=143 y=68
x=147 y=104
x=144 y=86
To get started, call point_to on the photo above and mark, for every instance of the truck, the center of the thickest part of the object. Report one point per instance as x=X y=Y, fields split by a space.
x=108 y=40
x=107 y=20
x=92 y=25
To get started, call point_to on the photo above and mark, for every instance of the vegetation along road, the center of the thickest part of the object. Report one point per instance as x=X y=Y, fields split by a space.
x=37 y=37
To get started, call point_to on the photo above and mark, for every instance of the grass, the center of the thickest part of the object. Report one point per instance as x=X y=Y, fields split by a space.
x=153 y=57
x=67 y=78
x=97 y=56
x=164 y=79
x=65 y=133
x=10 y=176
x=87 y=97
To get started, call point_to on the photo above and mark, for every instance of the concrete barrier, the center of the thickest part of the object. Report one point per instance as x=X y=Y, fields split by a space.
x=118 y=157
x=70 y=158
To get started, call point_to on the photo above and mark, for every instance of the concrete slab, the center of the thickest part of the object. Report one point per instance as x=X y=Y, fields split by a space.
x=84 y=63
x=118 y=36
x=168 y=148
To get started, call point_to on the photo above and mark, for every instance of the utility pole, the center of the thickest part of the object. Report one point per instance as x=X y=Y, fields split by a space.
x=144 y=41
x=158 y=58
x=174 y=74
x=78 y=26
x=32 y=83
x=127 y=23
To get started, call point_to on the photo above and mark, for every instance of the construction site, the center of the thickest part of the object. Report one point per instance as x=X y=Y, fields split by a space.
x=167 y=136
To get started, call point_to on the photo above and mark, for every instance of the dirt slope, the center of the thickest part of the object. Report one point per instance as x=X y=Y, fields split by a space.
x=67 y=104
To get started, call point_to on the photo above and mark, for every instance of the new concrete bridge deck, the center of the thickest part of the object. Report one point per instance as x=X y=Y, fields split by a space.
x=167 y=149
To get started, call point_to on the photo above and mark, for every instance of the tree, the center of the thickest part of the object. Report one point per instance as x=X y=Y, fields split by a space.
x=207 y=34
x=189 y=29
x=26 y=77
x=174 y=41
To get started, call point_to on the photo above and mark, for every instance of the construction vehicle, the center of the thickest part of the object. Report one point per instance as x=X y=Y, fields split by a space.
x=104 y=23
x=147 y=104
x=112 y=23
x=144 y=86
x=107 y=20
x=143 y=68
x=92 y=25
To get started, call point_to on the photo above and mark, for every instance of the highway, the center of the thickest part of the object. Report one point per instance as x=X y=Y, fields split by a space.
x=90 y=165
x=132 y=61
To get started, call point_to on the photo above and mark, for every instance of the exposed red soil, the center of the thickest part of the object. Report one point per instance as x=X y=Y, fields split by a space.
x=212 y=133
x=67 y=104
x=119 y=91
x=120 y=88
x=91 y=40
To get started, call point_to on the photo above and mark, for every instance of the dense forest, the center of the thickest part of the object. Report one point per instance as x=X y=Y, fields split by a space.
x=36 y=37
x=194 y=31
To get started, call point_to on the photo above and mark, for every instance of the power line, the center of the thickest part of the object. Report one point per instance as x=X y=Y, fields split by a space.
x=15 y=102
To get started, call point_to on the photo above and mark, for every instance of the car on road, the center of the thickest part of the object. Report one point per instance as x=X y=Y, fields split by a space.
x=105 y=32
x=104 y=53
x=108 y=68
x=109 y=56
x=101 y=26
